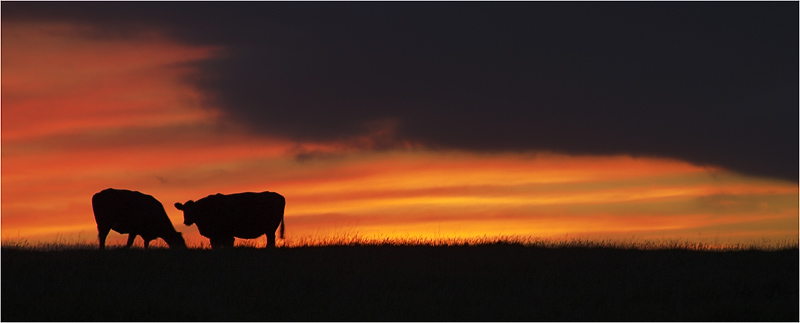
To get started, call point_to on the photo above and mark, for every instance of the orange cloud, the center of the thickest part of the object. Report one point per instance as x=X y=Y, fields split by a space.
x=55 y=81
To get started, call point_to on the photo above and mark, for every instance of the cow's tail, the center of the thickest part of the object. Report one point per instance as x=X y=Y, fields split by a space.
x=281 y=227
x=283 y=210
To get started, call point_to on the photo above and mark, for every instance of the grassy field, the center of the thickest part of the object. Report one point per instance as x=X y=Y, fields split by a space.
x=484 y=282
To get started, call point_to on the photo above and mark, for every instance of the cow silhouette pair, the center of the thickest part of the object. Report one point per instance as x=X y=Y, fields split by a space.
x=220 y=218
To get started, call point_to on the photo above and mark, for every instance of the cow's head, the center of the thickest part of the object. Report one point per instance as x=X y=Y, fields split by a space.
x=175 y=241
x=189 y=212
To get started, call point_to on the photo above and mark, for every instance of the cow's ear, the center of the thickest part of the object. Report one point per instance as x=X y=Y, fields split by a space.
x=179 y=206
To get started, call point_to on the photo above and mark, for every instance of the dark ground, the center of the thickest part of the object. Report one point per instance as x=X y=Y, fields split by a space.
x=400 y=283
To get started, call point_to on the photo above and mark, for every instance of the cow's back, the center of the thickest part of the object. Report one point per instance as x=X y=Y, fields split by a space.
x=130 y=211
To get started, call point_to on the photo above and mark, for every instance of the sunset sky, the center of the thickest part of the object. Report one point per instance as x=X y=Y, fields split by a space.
x=674 y=120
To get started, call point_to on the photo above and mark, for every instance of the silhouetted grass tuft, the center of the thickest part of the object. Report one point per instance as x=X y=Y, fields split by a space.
x=354 y=239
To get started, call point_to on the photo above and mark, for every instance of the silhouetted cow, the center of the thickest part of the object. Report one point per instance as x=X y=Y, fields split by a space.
x=133 y=213
x=220 y=217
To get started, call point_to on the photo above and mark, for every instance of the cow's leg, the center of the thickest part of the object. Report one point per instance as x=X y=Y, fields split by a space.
x=270 y=240
x=102 y=233
x=229 y=242
x=216 y=243
x=222 y=242
x=131 y=237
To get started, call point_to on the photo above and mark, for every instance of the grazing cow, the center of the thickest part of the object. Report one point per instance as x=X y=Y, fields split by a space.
x=249 y=215
x=133 y=213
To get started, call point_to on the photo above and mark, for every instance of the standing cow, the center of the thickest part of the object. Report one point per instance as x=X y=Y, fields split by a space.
x=133 y=213
x=249 y=215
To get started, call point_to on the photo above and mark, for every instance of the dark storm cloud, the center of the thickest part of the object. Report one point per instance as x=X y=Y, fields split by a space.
x=709 y=83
